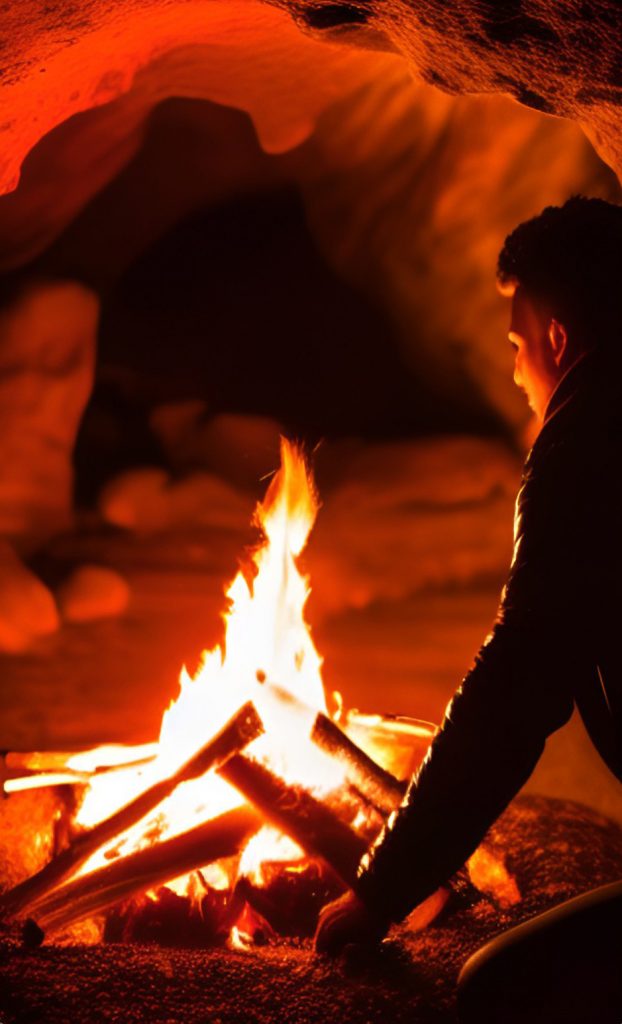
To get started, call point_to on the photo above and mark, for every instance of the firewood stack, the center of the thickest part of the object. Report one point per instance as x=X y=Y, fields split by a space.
x=333 y=832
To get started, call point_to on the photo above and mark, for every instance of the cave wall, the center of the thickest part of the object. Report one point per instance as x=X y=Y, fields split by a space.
x=121 y=60
x=557 y=56
x=411 y=193
x=408 y=193
x=560 y=57
x=409 y=190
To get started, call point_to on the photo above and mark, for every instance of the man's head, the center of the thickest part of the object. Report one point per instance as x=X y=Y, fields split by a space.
x=563 y=269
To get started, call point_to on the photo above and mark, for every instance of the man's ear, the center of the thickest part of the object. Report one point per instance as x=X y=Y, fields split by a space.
x=558 y=340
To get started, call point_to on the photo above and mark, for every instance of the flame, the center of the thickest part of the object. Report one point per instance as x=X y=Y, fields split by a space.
x=267 y=656
x=489 y=874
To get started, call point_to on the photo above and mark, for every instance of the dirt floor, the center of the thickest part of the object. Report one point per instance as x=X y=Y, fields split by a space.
x=553 y=850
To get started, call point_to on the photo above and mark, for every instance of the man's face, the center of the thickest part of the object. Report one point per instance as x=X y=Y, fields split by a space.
x=535 y=369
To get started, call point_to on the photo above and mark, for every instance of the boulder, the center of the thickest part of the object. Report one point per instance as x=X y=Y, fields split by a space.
x=27 y=608
x=47 y=353
x=148 y=500
x=240 y=449
x=92 y=592
x=411 y=516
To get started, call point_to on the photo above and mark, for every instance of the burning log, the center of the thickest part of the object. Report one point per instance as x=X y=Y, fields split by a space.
x=244 y=727
x=43 y=780
x=105 y=758
x=292 y=809
x=20 y=772
x=138 y=872
x=375 y=783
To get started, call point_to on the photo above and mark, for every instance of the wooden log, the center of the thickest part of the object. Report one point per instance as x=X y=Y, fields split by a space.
x=375 y=783
x=19 y=780
x=244 y=727
x=129 y=876
x=300 y=815
x=104 y=758
x=43 y=780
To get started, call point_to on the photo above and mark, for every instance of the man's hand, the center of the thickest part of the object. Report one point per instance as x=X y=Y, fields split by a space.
x=344 y=922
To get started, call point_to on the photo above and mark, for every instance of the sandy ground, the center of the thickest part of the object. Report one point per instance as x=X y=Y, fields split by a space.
x=554 y=850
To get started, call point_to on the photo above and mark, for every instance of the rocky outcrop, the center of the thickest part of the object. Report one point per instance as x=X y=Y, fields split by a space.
x=560 y=57
x=47 y=357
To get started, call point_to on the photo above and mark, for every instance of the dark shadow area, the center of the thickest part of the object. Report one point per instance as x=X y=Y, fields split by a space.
x=235 y=306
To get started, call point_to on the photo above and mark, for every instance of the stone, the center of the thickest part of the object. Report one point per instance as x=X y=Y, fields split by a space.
x=557 y=57
x=410 y=190
x=240 y=449
x=124 y=61
x=27 y=608
x=93 y=592
x=411 y=516
x=176 y=424
x=410 y=193
x=148 y=500
x=47 y=353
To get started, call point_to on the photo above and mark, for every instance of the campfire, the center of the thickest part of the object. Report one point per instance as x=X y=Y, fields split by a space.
x=255 y=805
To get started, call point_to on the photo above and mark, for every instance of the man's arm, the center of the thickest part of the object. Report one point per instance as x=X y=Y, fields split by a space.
x=491 y=740
x=519 y=690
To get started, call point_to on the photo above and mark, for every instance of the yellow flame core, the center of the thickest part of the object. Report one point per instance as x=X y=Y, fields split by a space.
x=268 y=657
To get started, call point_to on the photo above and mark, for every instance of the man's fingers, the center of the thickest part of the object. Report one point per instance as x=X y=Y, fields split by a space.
x=340 y=923
x=331 y=938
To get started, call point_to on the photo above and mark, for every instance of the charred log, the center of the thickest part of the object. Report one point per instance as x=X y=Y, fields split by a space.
x=312 y=824
x=91 y=894
x=291 y=895
x=376 y=784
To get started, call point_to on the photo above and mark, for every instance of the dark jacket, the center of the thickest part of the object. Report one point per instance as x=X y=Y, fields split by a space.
x=556 y=643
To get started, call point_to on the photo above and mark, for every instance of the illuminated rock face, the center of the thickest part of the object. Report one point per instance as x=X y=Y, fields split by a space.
x=557 y=56
x=411 y=193
x=241 y=53
x=409 y=190
x=47 y=354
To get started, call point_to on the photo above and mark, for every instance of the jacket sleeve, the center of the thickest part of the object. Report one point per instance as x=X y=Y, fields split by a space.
x=519 y=690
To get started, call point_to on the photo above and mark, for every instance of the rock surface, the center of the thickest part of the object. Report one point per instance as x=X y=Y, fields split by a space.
x=560 y=58
x=239 y=449
x=92 y=592
x=409 y=190
x=413 y=516
x=148 y=500
x=47 y=355
x=27 y=608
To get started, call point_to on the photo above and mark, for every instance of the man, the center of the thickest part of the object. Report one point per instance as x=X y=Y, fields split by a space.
x=556 y=642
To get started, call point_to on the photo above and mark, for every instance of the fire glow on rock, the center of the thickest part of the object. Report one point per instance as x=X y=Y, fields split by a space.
x=268 y=657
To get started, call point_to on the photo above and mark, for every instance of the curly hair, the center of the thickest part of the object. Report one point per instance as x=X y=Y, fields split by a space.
x=570 y=257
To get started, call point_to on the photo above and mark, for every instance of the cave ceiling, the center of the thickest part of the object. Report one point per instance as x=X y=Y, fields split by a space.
x=418 y=134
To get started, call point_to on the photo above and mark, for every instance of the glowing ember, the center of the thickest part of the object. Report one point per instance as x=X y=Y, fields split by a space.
x=268 y=657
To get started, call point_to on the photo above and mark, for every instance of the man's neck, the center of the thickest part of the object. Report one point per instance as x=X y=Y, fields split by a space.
x=552 y=402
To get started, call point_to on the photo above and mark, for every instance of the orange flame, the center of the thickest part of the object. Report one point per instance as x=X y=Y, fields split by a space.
x=267 y=656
